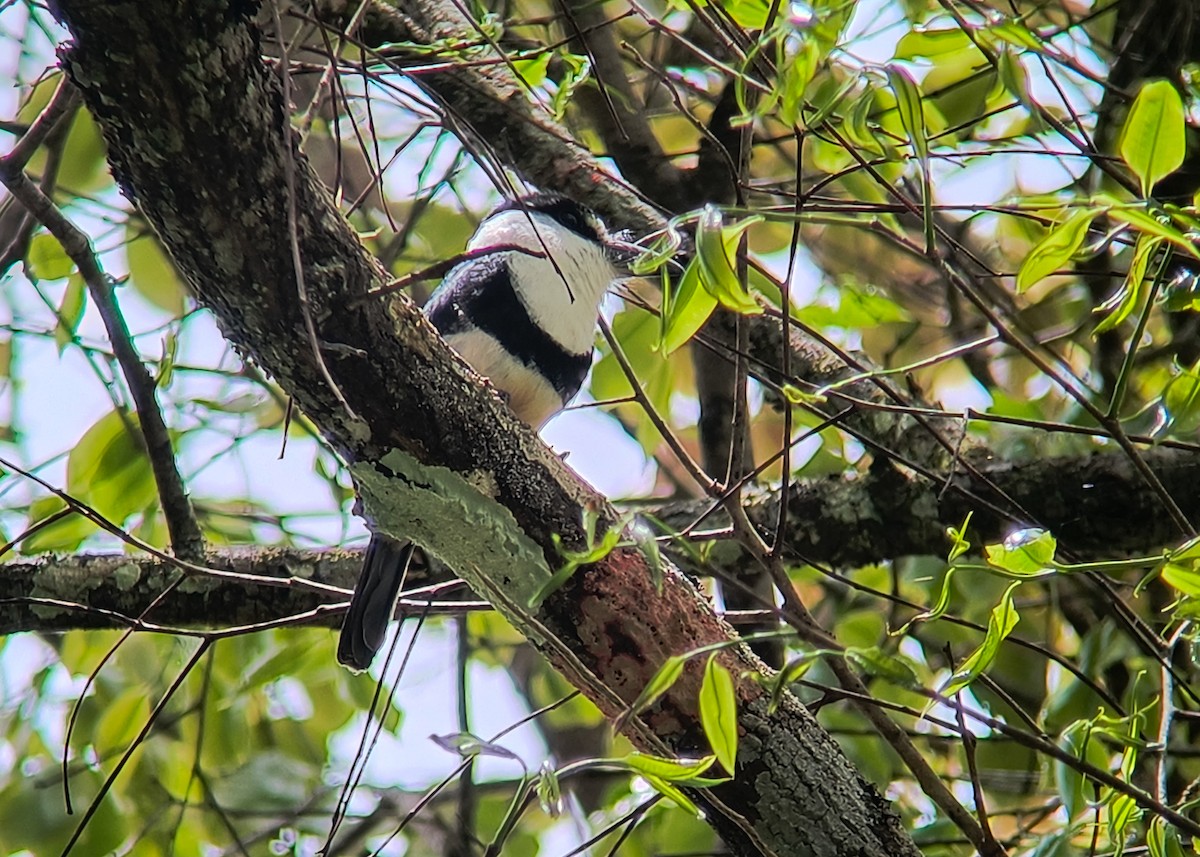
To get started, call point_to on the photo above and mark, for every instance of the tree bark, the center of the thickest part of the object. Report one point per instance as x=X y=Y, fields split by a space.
x=199 y=138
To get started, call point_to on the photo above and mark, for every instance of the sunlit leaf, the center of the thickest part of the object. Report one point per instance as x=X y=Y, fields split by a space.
x=70 y=312
x=1017 y=34
x=1003 y=619
x=689 y=307
x=1054 y=251
x=1152 y=140
x=718 y=712
x=1181 y=570
x=670 y=770
x=663 y=680
x=532 y=69
x=1121 y=812
x=1025 y=553
x=46 y=259
x=716 y=244
x=874 y=661
x=153 y=275
x=1133 y=289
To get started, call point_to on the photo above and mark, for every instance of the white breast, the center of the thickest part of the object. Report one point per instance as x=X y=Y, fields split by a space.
x=562 y=293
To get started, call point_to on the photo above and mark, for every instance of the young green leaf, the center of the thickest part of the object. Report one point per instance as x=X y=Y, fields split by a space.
x=939 y=608
x=1025 y=554
x=1122 y=812
x=689 y=308
x=70 y=312
x=1143 y=221
x=666 y=789
x=716 y=244
x=1000 y=624
x=912 y=117
x=1133 y=289
x=671 y=770
x=1181 y=402
x=549 y=791
x=1056 y=249
x=874 y=661
x=661 y=250
x=663 y=680
x=958 y=539
x=795 y=669
x=1152 y=140
x=46 y=258
x=718 y=712
x=1181 y=570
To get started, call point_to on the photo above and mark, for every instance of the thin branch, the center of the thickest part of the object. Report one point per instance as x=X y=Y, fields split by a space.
x=187 y=541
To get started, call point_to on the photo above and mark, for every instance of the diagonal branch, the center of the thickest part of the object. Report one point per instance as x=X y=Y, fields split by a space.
x=457 y=473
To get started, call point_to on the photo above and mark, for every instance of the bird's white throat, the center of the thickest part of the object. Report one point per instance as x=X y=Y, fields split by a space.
x=561 y=292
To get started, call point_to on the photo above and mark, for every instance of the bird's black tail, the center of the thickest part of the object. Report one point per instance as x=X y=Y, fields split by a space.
x=385 y=565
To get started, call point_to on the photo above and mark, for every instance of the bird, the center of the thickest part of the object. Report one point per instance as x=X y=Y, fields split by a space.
x=524 y=317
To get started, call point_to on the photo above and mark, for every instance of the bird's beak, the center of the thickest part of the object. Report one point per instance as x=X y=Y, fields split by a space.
x=621 y=253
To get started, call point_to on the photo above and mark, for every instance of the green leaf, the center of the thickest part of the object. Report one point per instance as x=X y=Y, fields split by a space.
x=1055 y=250
x=70 y=312
x=874 y=661
x=716 y=244
x=912 y=117
x=671 y=770
x=152 y=274
x=688 y=308
x=1026 y=554
x=1161 y=840
x=66 y=533
x=108 y=468
x=1003 y=619
x=576 y=70
x=1133 y=289
x=795 y=73
x=1122 y=811
x=670 y=791
x=46 y=259
x=532 y=69
x=1143 y=221
x=958 y=539
x=549 y=791
x=1181 y=570
x=121 y=721
x=1152 y=140
x=938 y=610
x=779 y=683
x=663 y=680
x=661 y=250
x=750 y=14
x=1181 y=402
x=856 y=126
x=1017 y=34
x=932 y=42
x=718 y=712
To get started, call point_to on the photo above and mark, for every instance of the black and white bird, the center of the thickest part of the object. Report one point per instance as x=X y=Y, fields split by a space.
x=524 y=320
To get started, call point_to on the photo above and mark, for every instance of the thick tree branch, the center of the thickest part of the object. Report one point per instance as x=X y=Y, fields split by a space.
x=194 y=137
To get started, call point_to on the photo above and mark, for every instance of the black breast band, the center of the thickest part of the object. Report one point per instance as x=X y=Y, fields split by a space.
x=480 y=295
